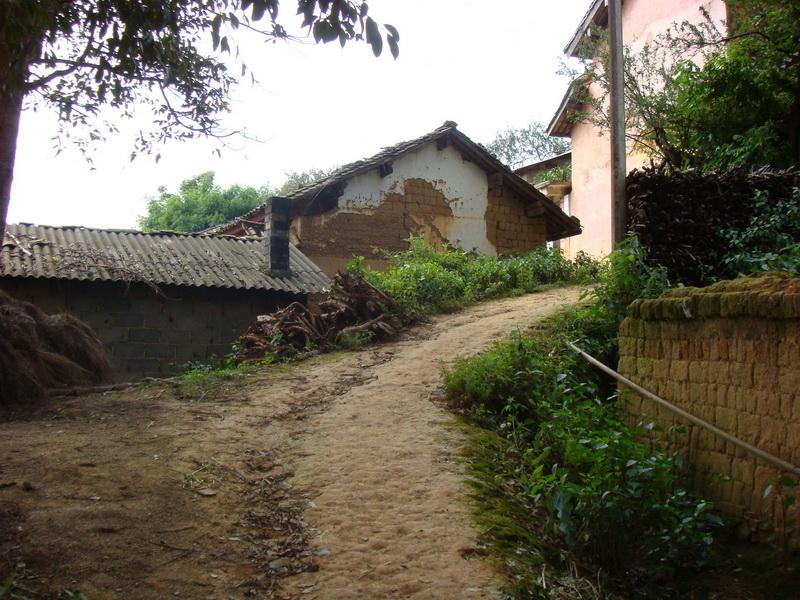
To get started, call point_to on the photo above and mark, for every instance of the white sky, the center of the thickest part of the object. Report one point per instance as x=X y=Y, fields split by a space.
x=486 y=64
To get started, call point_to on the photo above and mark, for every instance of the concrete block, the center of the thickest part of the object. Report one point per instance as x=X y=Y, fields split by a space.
x=144 y=366
x=128 y=350
x=165 y=351
x=144 y=335
x=126 y=319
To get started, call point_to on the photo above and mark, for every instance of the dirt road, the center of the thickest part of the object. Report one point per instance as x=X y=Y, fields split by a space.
x=333 y=478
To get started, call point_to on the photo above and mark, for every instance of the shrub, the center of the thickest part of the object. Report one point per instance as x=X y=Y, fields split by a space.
x=770 y=239
x=421 y=287
x=608 y=496
x=424 y=279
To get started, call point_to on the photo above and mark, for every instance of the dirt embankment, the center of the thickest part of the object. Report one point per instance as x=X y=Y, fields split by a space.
x=333 y=478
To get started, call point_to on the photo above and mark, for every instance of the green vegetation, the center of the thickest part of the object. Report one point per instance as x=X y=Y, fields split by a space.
x=740 y=109
x=148 y=58
x=595 y=491
x=562 y=173
x=516 y=146
x=200 y=203
x=425 y=280
x=770 y=241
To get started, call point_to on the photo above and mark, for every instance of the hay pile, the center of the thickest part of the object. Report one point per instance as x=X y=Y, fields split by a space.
x=353 y=308
x=40 y=352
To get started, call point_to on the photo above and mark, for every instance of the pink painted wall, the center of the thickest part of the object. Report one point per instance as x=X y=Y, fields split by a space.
x=590 y=200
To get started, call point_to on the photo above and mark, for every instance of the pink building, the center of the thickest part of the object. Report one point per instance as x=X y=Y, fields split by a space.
x=590 y=196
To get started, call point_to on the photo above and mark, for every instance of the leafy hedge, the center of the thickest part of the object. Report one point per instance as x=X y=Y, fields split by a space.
x=426 y=280
x=607 y=495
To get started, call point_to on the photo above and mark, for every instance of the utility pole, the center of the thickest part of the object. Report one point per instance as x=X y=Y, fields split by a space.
x=617 y=108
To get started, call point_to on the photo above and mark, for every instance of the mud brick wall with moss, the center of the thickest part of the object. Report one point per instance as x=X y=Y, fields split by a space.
x=146 y=332
x=729 y=354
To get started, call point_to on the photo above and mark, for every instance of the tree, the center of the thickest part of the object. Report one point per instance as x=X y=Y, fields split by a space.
x=516 y=146
x=298 y=179
x=200 y=203
x=79 y=56
x=741 y=108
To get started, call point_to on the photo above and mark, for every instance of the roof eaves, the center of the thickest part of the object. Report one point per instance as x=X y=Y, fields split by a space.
x=596 y=15
x=559 y=225
x=561 y=125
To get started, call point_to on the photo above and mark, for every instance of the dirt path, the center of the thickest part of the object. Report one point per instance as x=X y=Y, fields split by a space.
x=334 y=478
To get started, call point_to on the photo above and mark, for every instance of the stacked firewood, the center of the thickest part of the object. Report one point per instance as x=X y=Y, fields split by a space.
x=679 y=217
x=354 y=308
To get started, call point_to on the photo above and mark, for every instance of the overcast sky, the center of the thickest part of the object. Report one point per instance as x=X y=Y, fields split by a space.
x=487 y=65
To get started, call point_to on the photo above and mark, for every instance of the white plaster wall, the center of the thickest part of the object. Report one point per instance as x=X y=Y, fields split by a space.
x=463 y=184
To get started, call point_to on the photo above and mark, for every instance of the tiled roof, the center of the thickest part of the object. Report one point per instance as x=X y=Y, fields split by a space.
x=558 y=223
x=162 y=258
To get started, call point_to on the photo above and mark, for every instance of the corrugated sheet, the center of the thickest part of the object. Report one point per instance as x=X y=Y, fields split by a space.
x=166 y=258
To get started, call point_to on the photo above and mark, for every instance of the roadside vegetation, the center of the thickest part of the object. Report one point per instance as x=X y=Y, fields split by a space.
x=424 y=280
x=419 y=281
x=575 y=499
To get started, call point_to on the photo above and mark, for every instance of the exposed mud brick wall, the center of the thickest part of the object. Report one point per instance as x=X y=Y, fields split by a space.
x=332 y=238
x=422 y=210
x=145 y=333
x=507 y=227
x=729 y=354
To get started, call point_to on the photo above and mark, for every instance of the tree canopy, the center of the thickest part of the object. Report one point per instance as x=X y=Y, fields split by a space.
x=201 y=203
x=517 y=146
x=167 y=55
x=741 y=108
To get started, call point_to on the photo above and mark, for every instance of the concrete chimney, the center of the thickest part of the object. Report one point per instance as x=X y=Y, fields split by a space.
x=276 y=236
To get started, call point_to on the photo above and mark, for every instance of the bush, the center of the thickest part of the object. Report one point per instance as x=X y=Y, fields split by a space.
x=421 y=287
x=423 y=279
x=770 y=239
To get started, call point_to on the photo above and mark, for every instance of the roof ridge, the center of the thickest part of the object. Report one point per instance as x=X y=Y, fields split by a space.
x=161 y=232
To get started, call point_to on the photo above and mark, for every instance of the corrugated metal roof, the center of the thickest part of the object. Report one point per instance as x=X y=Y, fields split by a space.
x=167 y=258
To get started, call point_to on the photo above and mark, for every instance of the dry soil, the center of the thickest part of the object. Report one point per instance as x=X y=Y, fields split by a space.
x=332 y=478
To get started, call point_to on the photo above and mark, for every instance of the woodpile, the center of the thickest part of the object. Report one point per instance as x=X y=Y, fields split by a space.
x=679 y=217
x=41 y=352
x=354 y=309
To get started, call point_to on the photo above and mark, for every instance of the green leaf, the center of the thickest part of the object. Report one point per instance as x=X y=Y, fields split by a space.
x=393 y=32
x=374 y=38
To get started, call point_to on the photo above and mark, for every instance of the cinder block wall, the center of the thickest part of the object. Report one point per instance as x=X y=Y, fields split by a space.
x=146 y=333
x=729 y=354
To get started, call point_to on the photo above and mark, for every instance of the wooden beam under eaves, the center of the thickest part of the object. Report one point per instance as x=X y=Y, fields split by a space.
x=443 y=142
x=385 y=169
x=534 y=210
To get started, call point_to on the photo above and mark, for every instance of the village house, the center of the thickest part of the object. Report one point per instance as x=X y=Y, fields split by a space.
x=156 y=299
x=590 y=195
x=441 y=186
